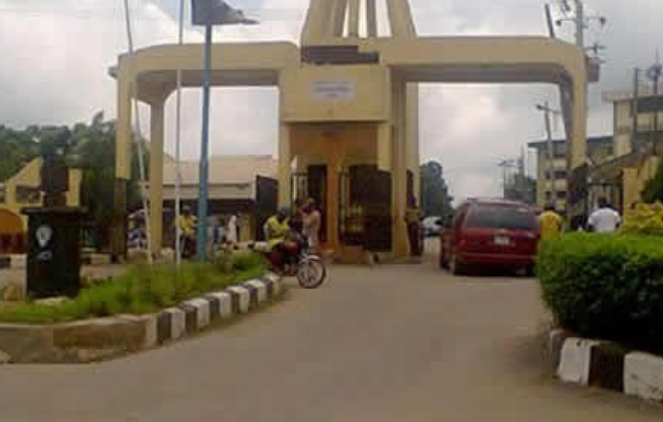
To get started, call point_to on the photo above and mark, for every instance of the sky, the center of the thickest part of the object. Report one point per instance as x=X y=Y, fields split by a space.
x=54 y=60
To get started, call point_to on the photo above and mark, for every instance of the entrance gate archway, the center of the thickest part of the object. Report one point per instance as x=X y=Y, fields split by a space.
x=346 y=100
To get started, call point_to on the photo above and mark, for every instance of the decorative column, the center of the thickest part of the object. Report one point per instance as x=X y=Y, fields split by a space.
x=122 y=161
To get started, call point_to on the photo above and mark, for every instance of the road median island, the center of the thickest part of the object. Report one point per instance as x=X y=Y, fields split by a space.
x=606 y=295
x=142 y=309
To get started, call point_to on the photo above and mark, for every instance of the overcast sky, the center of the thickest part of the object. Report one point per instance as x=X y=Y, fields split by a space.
x=54 y=57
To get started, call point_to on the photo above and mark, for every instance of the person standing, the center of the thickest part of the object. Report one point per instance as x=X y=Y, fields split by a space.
x=552 y=224
x=605 y=219
x=413 y=228
x=312 y=225
x=231 y=231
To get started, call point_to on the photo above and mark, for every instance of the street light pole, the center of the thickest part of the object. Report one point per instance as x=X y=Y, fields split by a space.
x=203 y=196
x=208 y=13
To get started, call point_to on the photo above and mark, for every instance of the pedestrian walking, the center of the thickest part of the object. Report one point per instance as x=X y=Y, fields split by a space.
x=605 y=219
x=551 y=223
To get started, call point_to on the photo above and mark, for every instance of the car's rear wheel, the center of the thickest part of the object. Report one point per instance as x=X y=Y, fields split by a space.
x=455 y=267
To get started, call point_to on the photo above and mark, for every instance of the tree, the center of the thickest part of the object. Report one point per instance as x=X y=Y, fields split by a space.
x=90 y=147
x=653 y=190
x=520 y=188
x=434 y=192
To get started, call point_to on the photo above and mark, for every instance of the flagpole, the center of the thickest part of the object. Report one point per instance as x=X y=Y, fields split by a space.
x=178 y=143
x=134 y=102
x=204 y=148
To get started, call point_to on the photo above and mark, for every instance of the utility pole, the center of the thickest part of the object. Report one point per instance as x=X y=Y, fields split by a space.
x=581 y=20
x=636 y=97
x=580 y=23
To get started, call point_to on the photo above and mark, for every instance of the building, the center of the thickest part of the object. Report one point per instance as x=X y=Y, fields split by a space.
x=21 y=191
x=637 y=143
x=242 y=185
x=556 y=170
x=349 y=109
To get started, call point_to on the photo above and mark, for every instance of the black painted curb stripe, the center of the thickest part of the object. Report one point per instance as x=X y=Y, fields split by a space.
x=191 y=314
x=164 y=327
x=235 y=299
x=214 y=307
x=606 y=366
x=253 y=295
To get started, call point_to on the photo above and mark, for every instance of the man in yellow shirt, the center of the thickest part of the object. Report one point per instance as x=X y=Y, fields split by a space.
x=552 y=224
x=187 y=223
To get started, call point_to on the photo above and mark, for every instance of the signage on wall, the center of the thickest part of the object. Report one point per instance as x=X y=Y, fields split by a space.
x=333 y=90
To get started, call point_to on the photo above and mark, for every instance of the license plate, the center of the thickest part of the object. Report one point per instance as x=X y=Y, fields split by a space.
x=502 y=241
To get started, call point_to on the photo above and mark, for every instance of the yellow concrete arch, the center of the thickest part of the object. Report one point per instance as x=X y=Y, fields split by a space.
x=336 y=80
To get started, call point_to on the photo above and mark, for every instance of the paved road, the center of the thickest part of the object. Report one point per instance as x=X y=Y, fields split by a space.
x=394 y=343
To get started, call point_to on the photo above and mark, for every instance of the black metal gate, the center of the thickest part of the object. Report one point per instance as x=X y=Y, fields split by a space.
x=369 y=220
x=266 y=203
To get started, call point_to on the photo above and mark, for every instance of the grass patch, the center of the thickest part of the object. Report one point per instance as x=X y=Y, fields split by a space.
x=142 y=290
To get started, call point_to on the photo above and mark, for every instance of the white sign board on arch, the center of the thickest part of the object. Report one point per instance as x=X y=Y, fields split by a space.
x=333 y=90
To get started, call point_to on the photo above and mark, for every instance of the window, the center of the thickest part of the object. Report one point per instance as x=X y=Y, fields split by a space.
x=547 y=175
x=561 y=175
x=561 y=194
x=3 y=193
x=27 y=195
x=548 y=196
x=501 y=217
x=560 y=149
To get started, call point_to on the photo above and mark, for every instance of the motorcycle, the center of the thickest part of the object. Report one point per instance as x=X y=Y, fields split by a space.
x=309 y=268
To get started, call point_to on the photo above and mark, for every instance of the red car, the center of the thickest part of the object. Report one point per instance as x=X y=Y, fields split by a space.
x=491 y=233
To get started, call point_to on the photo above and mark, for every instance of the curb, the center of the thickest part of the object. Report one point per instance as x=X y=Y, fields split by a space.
x=20 y=261
x=606 y=365
x=104 y=338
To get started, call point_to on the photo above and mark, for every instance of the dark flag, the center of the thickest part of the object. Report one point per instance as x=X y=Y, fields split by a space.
x=216 y=12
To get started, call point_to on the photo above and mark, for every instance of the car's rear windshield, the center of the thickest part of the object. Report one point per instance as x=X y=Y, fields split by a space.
x=501 y=217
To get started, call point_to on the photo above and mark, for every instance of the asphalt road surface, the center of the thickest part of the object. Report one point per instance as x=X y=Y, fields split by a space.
x=391 y=343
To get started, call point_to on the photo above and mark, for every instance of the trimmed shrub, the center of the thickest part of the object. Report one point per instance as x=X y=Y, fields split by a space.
x=645 y=219
x=606 y=286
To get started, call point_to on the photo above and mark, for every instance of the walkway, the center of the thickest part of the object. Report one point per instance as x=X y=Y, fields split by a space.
x=393 y=343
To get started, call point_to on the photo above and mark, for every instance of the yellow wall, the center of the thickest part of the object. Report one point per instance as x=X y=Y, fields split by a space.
x=365 y=97
x=30 y=176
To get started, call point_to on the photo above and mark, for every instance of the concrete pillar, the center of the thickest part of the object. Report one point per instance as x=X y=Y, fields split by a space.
x=156 y=176
x=385 y=147
x=285 y=161
x=122 y=162
x=353 y=21
x=371 y=19
x=313 y=23
x=339 y=13
x=399 y=172
x=578 y=155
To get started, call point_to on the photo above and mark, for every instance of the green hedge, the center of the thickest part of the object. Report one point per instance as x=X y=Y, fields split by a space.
x=142 y=290
x=606 y=286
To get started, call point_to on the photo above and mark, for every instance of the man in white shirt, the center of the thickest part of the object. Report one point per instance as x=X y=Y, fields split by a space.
x=605 y=219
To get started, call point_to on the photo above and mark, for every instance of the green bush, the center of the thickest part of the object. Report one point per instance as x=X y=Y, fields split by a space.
x=606 y=286
x=141 y=290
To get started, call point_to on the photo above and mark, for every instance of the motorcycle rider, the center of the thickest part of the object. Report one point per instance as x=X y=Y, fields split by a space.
x=276 y=233
x=187 y=224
